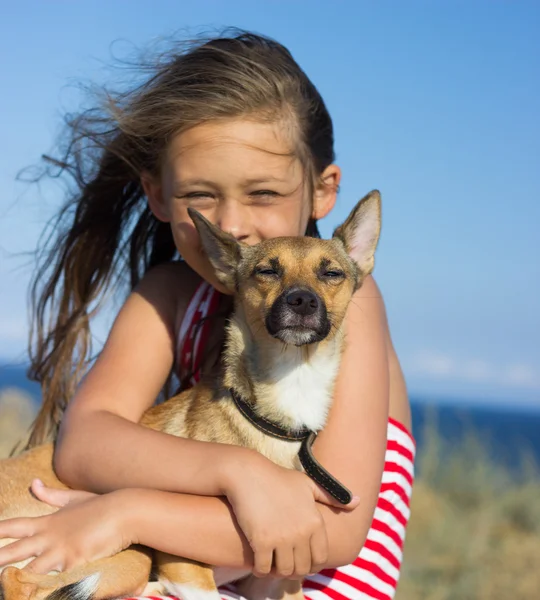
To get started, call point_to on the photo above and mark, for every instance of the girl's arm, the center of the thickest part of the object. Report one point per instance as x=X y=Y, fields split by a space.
x=352 y=445
x=101 y=447
x=204 y=529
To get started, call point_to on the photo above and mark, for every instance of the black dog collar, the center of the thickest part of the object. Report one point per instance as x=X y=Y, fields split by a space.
x=312 y=467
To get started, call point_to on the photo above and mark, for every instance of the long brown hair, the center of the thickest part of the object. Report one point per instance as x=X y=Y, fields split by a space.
x=105 y=229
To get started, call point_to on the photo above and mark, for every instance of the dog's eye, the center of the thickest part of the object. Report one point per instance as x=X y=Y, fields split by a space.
x=265 y=271
x=334 y=274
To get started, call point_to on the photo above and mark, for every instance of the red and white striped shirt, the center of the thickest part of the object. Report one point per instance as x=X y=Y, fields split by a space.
x=375 y=573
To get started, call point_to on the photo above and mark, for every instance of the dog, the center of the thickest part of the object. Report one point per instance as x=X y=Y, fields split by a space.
x=284 y=343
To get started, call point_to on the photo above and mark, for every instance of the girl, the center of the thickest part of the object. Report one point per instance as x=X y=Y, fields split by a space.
x=234 y=128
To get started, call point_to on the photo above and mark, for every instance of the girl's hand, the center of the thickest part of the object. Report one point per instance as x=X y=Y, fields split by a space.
x=86 y=528
x=277 y=512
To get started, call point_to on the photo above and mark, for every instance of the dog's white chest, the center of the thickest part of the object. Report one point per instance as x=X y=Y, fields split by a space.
x=303 y=389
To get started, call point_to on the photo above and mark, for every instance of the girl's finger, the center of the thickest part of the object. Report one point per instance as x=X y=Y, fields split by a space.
x=263 y=563
x=319 y=550
x=44 y=564
x=284 y=561
x=302 y=560
x=17 y=528
x=58 y=497
x=20 y=550
x=321 y=495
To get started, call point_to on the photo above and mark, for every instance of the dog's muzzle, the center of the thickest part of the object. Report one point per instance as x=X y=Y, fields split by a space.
x=298 y=317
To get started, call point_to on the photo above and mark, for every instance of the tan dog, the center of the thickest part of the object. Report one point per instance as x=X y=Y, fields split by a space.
x=283 y=349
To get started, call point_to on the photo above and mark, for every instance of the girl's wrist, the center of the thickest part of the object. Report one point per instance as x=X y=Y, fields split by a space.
x=234 y=466
x=129 y=506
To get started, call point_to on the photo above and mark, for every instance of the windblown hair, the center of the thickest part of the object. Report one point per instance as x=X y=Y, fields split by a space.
x=105 y=229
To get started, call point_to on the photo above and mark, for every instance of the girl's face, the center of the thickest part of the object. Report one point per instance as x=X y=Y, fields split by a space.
x=242 y=176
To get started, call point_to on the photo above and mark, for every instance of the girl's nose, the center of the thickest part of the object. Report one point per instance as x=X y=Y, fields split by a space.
x=233 y=218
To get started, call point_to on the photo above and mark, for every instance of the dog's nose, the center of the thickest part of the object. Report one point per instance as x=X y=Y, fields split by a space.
x=303 y=302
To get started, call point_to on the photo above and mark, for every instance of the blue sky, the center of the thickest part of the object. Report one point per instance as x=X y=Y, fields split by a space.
x=434 y=103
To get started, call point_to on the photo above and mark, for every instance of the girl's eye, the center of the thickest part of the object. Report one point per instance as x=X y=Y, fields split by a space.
x=199 y=200
x=264 y=193
x=196 y=195
x=335 y=274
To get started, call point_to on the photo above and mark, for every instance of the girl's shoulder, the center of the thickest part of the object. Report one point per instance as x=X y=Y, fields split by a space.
x=169 y=287
x=175 y=276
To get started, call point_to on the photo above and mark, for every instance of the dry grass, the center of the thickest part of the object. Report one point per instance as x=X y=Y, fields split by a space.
x=474 y=532
x=16 y=414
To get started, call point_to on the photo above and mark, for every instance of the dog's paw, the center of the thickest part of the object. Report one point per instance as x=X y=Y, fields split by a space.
x=190 y=592
x=153 y=588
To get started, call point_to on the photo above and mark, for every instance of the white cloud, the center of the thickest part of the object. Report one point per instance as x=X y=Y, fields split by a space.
x=478 y=370
x=436 y=365
x=522 y=375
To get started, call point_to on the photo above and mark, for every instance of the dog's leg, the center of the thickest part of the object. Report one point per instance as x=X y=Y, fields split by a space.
x=269 y=588
x=124 y=574
x=187 y=579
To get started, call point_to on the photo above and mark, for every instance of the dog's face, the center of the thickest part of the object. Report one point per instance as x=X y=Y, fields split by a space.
x=296 y=289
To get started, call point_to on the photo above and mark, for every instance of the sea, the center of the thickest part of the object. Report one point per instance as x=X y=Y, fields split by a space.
x=510 y=434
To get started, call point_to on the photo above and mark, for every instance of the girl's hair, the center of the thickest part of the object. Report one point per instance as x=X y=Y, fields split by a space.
x=105 y=229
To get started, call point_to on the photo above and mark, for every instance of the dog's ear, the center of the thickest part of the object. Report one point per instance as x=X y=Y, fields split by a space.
x=222 y=249
x=360 y=232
